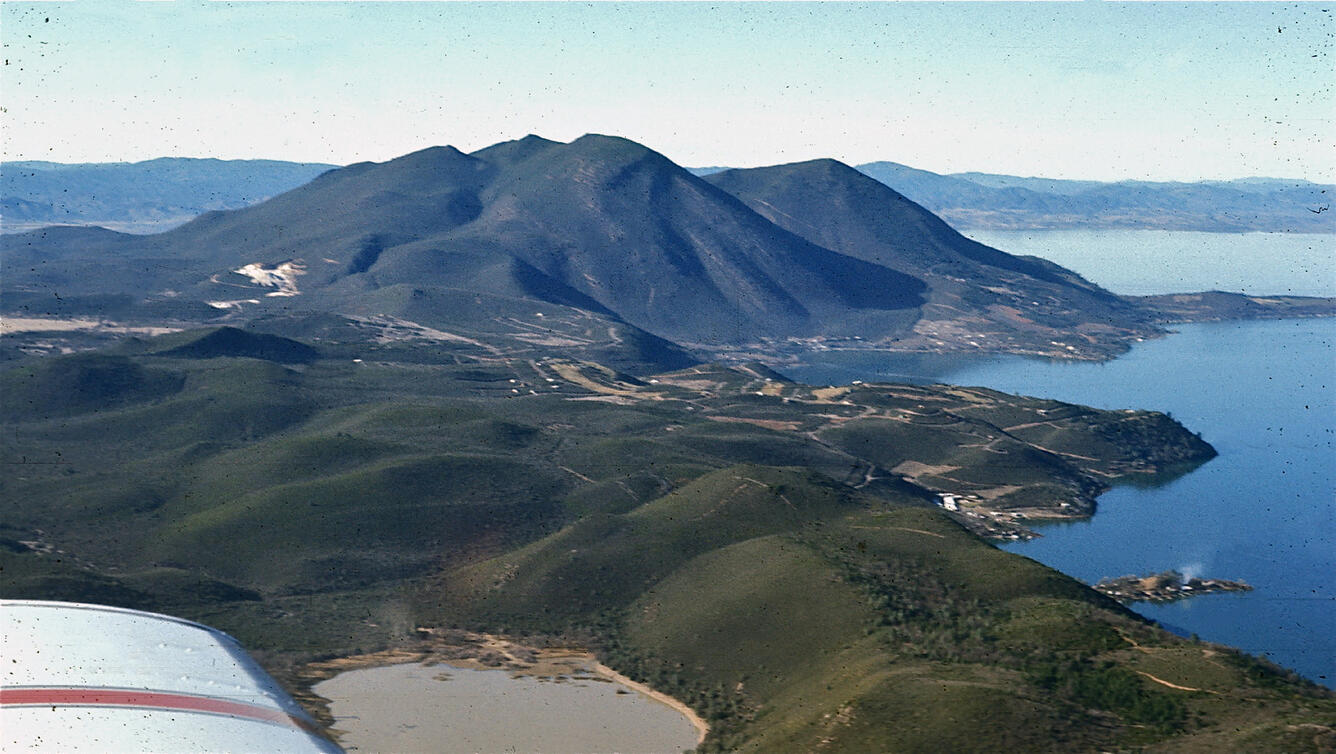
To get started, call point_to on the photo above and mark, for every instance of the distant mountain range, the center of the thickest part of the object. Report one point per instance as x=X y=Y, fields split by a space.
x=596 y=246
x=985 y=201
x=153 y=196
x=139 y=197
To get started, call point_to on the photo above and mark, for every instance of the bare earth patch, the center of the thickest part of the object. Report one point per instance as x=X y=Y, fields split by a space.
x=775 y=424
x=914 y=469
x=11 y=325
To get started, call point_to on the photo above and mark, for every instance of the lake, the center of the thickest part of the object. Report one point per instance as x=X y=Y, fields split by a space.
x=1264 y=511
x=448 y=710
x=1147 y=262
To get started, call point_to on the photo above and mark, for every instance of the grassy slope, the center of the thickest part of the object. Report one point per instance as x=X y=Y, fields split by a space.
x=330 y=507
x=853 y=624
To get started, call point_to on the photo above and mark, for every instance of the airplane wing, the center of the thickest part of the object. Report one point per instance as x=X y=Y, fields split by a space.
x=89 y=678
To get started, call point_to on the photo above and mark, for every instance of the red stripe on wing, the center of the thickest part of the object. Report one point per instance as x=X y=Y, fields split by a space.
x=158 y=700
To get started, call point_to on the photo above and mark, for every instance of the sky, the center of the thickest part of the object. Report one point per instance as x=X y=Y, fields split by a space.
x=1095 y=90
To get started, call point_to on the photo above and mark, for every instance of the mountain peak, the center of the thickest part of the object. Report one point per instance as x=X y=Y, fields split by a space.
x=596 y=138
x=610 y=226
x=612 y=148
x=444 y=153
x=822 y=163
x=824 y=169
x=515 y=151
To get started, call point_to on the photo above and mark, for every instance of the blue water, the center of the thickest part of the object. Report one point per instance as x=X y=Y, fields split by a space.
x=1146 y=262
x=1264 y=511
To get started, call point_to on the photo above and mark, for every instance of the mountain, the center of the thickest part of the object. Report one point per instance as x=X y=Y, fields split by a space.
x=988 y=201
x=601 y=248
x=536 y=239
x=994 y=297
x=140 y=197
x=602 y=223
x=157 y=195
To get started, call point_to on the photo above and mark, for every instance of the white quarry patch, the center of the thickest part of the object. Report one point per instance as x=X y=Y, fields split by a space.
x=283 y=277
x=233 y=304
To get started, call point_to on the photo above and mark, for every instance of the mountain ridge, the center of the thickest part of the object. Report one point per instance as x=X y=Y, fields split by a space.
x=613 y=234
x=987 y=201
x=148 y=196
x=142 y=197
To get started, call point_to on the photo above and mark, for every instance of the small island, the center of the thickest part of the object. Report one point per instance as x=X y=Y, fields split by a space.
x=1166 y=586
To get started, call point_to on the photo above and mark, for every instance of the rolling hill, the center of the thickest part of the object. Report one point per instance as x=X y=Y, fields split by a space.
x=768 y=552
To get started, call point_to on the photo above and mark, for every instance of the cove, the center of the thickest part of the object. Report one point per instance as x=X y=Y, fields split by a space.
x=1264 y=511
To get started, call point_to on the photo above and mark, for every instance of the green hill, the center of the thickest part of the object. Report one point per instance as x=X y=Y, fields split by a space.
x=767 y=551
x=80 y=384
x=230 y=341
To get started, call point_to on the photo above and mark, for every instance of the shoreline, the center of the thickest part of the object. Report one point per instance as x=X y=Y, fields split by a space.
x=697 y=722
x=476 y=651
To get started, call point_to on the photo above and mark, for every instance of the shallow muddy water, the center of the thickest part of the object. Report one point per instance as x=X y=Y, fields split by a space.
x=418 y=708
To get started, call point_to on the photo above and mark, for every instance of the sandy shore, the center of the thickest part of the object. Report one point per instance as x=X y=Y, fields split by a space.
x=702 y=727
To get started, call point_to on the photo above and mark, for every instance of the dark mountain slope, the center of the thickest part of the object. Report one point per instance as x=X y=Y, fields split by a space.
x=225 y=342
x=626 y=227
x=976 y=291
x=862 y=217
x=344 y=212
x=334 y=225
x=534 y=244
x=601 y=224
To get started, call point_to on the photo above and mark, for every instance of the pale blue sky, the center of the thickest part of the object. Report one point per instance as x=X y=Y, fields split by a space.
x=1078 y=90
